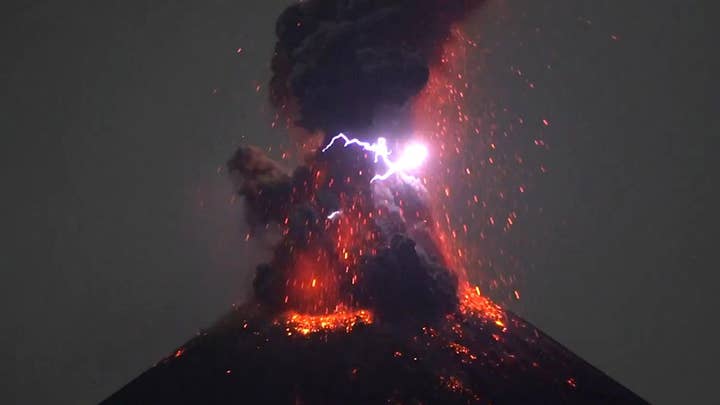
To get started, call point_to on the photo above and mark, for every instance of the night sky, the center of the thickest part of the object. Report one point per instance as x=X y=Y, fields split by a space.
x=120 y=240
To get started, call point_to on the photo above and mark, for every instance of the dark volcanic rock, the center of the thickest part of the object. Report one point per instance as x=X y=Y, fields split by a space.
x=249 y=358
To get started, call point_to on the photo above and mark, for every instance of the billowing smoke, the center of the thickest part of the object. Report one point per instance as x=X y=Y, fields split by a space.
x=346 y=65
x=341 y=64
x=403 y=285
x=263 y=183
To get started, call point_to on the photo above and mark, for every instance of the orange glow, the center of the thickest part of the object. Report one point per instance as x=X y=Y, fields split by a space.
x=472 y=303
x=342 y=319
x=463 y=352
x=439 y=113
x=312 y=286
x=325 y=265
x=474 y=195
x=452 y=383
x=354 y=234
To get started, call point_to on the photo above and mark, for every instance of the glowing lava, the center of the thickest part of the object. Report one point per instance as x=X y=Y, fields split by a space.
x=412 y=157
x=342 y=318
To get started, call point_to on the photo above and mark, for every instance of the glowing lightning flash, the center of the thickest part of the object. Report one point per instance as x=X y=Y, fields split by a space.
x=412 y=158
x=379 y=148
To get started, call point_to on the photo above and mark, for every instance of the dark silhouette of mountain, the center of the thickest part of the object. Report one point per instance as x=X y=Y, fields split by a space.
x=479 y=354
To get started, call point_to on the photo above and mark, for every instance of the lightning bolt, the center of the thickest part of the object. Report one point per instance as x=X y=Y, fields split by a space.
x=334 y=215
x=379 y=148
x=412 y=158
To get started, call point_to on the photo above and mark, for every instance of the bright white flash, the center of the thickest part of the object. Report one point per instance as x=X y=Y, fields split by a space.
x=412 y=157
x=334 y=215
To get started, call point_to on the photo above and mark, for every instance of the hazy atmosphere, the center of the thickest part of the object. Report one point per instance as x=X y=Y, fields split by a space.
x=122 y=238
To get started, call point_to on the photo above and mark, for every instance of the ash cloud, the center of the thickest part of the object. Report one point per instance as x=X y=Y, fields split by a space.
x=338 y=64
x=406 y=275
x=264 y=185
x=404 y=286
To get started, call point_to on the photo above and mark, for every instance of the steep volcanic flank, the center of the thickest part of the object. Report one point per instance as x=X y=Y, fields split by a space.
x=365 y=299
x=478 y=355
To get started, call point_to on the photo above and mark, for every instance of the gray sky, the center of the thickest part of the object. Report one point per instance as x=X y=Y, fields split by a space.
x=120 y=240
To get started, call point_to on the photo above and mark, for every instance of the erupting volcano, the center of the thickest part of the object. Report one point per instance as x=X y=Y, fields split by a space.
x=367 y=297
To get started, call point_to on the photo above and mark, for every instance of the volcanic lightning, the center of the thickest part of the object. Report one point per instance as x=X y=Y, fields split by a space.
x=379 y=148
x=368 y=290
x=412 y=157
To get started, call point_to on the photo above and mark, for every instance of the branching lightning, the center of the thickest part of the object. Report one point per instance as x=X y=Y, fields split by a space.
x=379 y=148
x=412 y=158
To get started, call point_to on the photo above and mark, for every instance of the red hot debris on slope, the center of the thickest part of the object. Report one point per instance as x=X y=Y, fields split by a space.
x=465 y=359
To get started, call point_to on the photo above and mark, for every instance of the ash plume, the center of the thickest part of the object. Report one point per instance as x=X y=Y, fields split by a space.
x=398 y=281
x=343 y=65
x=339 y=64
x=263 y=184
x=360 y=302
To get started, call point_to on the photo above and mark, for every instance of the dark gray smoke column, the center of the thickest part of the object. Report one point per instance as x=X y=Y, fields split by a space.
x=338 y=64
x=341 y=66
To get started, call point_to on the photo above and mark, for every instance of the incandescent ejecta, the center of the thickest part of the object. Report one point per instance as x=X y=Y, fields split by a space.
x=366 y=299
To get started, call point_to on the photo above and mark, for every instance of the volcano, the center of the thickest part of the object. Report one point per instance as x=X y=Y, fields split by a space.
x=479 y=354
x=367 y=298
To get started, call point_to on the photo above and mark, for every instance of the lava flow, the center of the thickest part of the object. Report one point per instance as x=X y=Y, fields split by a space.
x=341 y=318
